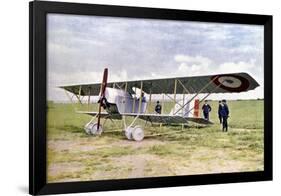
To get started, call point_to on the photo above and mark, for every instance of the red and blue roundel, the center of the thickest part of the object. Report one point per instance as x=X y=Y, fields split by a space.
x=232 y=83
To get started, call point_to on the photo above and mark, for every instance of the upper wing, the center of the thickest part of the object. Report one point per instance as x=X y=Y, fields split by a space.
x=222 y=83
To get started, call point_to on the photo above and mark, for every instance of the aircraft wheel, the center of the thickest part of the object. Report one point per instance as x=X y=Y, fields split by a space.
x=92 y=128
x=138 y=134
x=87 y=128
x=128 y=132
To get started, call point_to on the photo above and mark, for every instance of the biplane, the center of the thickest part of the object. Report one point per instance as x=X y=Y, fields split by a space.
x=118 y=99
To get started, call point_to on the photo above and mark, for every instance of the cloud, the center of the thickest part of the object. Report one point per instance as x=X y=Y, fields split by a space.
x=192 y=65
x=199 y=65
x=231 y=67
x=199 y=60
x=193 y=69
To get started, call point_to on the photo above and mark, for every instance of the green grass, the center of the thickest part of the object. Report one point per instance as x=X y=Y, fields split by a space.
x=169 y=150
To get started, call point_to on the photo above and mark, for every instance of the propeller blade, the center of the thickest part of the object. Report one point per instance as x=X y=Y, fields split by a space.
x=102 y=91
x=104 y=82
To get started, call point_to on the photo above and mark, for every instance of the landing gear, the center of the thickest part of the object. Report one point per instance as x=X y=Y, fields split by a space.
x=134 y=133
x=92 y=128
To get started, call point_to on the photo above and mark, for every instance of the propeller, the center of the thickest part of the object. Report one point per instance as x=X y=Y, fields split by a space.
x=102 y=95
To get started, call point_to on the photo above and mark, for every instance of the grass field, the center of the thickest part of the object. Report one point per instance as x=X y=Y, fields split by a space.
x=169 y=150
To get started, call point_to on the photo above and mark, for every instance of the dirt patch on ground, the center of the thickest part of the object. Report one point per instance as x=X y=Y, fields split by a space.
x=81 y=145
x=138 y=163
x=211 y=161
x=59 y=168
x=134 y=144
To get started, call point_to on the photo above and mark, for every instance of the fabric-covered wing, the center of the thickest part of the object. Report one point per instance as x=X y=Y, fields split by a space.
x=169 y=119
x=199 y=120
x=222 y=83
x=102 y=115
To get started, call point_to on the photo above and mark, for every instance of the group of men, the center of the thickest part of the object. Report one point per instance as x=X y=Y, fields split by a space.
x=223 y=113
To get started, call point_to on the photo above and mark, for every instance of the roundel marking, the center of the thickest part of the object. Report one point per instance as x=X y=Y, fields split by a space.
x=232 y=83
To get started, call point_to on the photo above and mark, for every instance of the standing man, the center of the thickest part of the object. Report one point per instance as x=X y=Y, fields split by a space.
x=206 y=110
x=219 y=111
x=158 y=108
x=143 y=99
x=224 y=115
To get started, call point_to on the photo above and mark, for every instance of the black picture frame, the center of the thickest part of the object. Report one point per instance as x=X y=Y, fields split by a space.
x=38 y=107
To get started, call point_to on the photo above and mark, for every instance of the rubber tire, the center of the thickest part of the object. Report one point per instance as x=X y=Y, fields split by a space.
x=91 y=128
x=88 y=127
x=138 y=134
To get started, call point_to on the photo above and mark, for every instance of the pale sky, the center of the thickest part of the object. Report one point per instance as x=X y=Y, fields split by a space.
x=80 y=47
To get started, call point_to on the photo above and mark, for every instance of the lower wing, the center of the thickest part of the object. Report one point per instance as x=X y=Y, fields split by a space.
x=156 y=118
x=169 y=119
x=102 y=114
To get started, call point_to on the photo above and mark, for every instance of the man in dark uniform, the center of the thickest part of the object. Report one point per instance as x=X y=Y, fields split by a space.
x=219 y=111
x=143 y=99
x=224 y=115
x=158 y=108
x=206 y=110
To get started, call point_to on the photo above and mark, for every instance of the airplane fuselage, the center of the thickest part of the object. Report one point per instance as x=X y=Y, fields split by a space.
x=120 y=101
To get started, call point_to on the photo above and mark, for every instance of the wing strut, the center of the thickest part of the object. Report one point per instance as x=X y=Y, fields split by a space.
x=206 y=96
x=197 y=94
